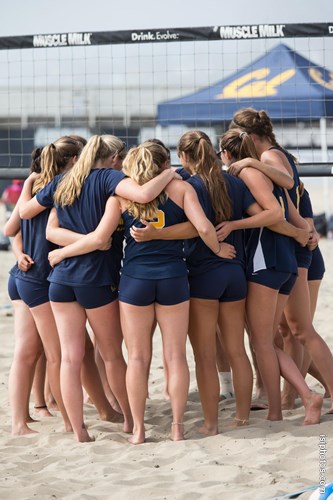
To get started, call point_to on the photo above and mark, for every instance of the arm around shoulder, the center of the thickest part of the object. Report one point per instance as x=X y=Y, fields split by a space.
x=129 y=189
x=28 y=205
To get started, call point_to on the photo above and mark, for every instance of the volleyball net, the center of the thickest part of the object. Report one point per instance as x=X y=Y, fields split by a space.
x=140 y=84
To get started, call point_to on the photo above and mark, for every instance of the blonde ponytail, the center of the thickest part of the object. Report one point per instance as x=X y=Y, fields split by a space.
x=54 y=158
x=142 y=164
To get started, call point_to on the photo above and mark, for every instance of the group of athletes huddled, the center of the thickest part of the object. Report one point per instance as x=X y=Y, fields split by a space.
x=121 y=240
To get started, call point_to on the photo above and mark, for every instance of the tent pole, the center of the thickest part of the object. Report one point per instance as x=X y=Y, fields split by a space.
x=324 y=159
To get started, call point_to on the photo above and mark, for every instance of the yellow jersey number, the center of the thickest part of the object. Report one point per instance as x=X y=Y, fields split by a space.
x=159 y=220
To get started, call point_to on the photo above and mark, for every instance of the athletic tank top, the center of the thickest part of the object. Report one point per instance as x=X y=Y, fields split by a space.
x=199 y=257
x=156 y=259
x=266 y=249
x=294 y=193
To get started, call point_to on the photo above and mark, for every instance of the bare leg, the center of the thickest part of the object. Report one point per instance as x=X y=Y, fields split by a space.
x=314 y=372
x=107 y=389
x=28 y=348
x=105 y=323
x=38 y=386
x=298 y=314
x=202 y=333
x=308 y=365
x=136 y=322
x=264 y=299
x=71 y=320
x=260 y=392
x=298 y=353
x=223 y=368
x=295 y=350
x=312 y=402
x=166 y=394
x=47 y=330
x=49 y=398
x=92 y=383
x=231 y=323
x=173 y=321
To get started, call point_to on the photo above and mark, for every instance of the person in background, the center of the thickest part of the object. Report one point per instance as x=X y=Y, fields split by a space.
x=11 y=195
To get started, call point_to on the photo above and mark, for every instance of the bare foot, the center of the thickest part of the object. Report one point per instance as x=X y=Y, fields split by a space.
x=313 y=406
x=138 y=436
x=83 y=436
x=42 y=411
x=177 y=431
x=240 y=422
x=21 y=430
x=112 y=416
x=209 y=430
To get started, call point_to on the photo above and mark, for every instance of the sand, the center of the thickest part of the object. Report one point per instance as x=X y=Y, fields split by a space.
x=261 y=461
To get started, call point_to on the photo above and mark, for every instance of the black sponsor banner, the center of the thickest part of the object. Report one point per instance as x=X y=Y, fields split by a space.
x=239 y=32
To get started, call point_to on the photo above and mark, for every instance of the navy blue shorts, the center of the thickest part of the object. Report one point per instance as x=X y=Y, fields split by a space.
x=87 y=297
x=226 y=283
x=167 y=292
x=317 y=267
x=12 y=289
x=32 y=294
x=283 y=282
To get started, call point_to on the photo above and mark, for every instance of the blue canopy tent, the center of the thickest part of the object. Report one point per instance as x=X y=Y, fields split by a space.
x=284 y=83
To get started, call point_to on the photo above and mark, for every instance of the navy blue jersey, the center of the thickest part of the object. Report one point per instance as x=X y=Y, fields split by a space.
x=305 y=206
x=96 y=268
x=156 y=259
x=294 y=192
x=266 y=249
x=37 y=246
x=199 y=257
x=302 y=253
